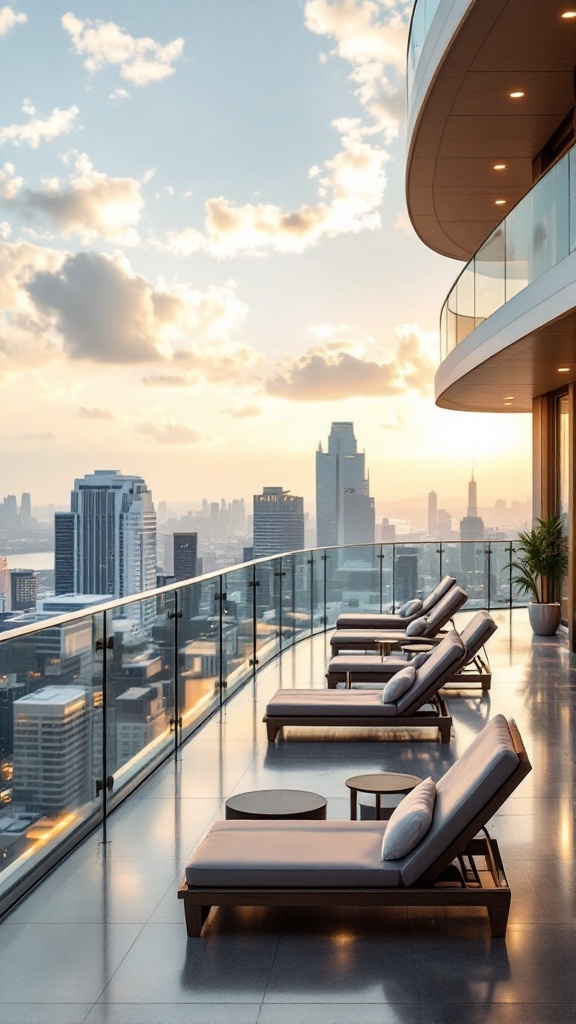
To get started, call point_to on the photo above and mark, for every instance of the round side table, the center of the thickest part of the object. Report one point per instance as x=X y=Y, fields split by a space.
x=382 y=784
x=276 y=803
x=417 y=648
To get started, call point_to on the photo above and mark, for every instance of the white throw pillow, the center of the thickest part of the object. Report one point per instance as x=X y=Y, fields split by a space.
x=418 y=627
x=410 y=608
x=410 y=821
x=399 y=683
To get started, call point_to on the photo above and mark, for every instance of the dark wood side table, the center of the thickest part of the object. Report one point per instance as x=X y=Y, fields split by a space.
x=417 y=648
x=276 y=803
x=380 y=784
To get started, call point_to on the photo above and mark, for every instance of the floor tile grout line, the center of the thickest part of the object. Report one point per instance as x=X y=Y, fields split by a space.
x=281 y=932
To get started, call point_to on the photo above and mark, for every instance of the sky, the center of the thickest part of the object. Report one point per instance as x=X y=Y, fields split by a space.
x=205 y=255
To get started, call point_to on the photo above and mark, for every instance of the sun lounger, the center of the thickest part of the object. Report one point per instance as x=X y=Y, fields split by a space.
x=339 y=863
x=430 y=626
x=420 y=706
x=399 y=619
x=369 y=671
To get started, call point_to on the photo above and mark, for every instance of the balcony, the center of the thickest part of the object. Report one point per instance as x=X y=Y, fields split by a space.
x=490 y=83
x=508 y=322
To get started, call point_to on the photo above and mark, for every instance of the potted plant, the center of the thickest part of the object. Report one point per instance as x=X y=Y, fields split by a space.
x=541 y=565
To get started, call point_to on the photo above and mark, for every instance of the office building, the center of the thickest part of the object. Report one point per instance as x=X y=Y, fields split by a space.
x=472 y=525
x=432 y=514
x=4 y=585
x=278 y=522
x=490 y=180
x=344 y=509
x=23 y=589
x=113 y=548
x=10 y=691
x=185 y=555
x=64 y=552
x=51 y=749
x=387 y=532
x=406 y=570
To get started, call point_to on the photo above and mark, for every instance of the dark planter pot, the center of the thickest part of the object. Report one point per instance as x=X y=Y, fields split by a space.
x=544 y=618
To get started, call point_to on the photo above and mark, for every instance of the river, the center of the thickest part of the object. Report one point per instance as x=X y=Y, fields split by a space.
x=39 y=560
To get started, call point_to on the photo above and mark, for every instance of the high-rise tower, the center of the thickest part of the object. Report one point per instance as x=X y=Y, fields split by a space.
x=432 y=514
x=278 y=522
x=108 y=539
x=344 y=509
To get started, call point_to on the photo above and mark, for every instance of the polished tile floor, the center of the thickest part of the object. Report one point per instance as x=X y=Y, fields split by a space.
x=103 y=941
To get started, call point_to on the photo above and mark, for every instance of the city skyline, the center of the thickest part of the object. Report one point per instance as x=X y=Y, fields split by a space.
x=252 y=280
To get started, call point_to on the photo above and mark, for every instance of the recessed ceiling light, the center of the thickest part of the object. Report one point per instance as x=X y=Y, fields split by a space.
x=568 y=14
x=509 y=398
x=507 y=403
x=517 y=94
x=499 y=202
x=563 y=369
x=499 y=167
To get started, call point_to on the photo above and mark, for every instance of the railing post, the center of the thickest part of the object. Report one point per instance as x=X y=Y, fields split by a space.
x=280 y=575
x=104 y=730
x=311 y=564
x=325 y=559
x=440 y=552
x=510 y=578
x=221 y=598
x=176 y=722
x=393 y=577
x=381 y=584
x=254 y=583
x=488 y=552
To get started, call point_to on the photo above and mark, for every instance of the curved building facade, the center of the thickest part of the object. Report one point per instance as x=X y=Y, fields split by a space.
x=491 y=179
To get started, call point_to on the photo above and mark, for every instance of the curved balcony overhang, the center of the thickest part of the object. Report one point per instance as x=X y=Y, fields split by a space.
x=462 y=120
x=515 y=354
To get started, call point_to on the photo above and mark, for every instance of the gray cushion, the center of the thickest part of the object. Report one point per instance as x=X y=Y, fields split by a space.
x=420 y=659
x=477 y=632
x=400 y=682
x=445 y=609
x=445 y=659
x=332 y=703
x=292 y=853
x=370 y=620
x=410 y=608
x=418 y=627
x=410 y=822
x=367 y=665
x=439 y=590
x=462 y=792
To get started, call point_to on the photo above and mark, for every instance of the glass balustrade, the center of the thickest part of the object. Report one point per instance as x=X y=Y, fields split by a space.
x=91 y=703
x=536 y=235
x=422 y=17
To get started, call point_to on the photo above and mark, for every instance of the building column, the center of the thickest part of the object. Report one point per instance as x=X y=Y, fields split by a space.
x=572 y=519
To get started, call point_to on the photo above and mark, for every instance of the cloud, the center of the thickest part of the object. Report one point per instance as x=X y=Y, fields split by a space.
x=371 y=35
x=168 y=432
x=140 y=60
x=90 y=205
x=39 y=436
x=163 y=380
x=324 y=331
x=8 y=18
x=338 y=371
x=5 y=230
x=245 y=412
x=119 y=94
x=35 y=131
x=95 y=413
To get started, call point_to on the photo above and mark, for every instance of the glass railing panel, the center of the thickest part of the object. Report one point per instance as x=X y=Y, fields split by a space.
x=490 y=278
x=465 y=303
x=139 y=692
x=468 y=562
x=416 y=570
x=239 y=641
x=353 y=580
x=500 y=576
x=451 y=321
x=300 y=619
x=572 y=197
x=416 y=40
x=202 y=649
x=268 y=596
x=289 y=596
x=518 y=241
x=550 y=225
x=51 y=742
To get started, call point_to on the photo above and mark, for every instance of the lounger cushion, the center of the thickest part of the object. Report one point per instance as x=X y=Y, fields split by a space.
x=400 y=682
x=418 y=627
x=438 y=593
x=410 y=822
x=445 y=659
x=332 y=703
x=292 y=853
x=445 y=609
x=420 y=659
x=462 y=792
x=410 y=608
x=367 y=665
x=477 y=632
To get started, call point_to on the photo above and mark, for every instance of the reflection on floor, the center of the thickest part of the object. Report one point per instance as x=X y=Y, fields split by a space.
x=102 y=940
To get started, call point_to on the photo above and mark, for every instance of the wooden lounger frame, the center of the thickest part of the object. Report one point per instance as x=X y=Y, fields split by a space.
x=438 y=717
x=480 y=886
x=476 y=675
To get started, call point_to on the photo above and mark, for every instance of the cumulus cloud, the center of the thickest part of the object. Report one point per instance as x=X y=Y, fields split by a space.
x=140 y=60
x=245 y=412
x=168 y=432
x=35 y=130
x=90 y=204
x=166 y=380
x=95 y=413
x=9 y=18
x=341 y=370
x=371 y=35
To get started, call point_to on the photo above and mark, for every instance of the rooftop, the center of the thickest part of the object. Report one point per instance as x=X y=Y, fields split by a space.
x=102 y=939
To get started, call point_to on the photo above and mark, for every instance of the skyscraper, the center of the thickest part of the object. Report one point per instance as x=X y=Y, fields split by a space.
x=113 y=548
x=64 y=552
x=185 y=555
x=278 y=522
x=344 y=509
x=23 y=589
x=432 y=514
x=472 y=525
x=4 y=585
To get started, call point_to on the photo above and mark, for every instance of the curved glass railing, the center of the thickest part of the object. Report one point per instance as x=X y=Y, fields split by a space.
x=92 y=702
x=536 y=235
x=422 y=16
